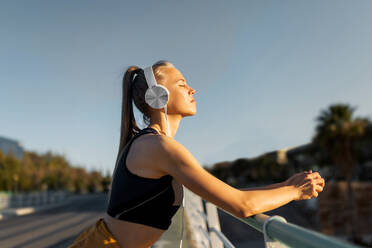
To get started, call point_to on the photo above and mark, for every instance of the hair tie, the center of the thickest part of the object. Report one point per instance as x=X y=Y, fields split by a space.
x=135 y=73
x=138 y=71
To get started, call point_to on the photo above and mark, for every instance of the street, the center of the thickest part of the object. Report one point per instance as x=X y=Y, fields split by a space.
x=56 y=227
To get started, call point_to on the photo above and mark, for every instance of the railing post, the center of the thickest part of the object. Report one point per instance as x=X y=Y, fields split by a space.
x=213 y=223
x=195 y=214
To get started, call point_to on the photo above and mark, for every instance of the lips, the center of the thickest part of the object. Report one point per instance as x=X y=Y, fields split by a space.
x=193 y=100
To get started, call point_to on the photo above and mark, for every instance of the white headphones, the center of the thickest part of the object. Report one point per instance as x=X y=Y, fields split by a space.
x=157 y=96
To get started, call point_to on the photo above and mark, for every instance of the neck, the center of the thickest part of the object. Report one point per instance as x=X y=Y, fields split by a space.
x=159 y=122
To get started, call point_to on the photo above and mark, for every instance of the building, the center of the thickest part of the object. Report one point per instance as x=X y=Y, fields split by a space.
x=9 y=146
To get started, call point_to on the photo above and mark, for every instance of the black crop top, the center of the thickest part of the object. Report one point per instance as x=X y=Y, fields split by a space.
x=142 y=200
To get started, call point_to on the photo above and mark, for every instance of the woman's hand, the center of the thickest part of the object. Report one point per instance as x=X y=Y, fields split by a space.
x=307 y=183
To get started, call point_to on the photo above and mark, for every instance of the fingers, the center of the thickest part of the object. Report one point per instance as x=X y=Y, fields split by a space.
x=320 y=181
x=316 y=181
x=315 y=187
x=318 y=188
x=313 y=175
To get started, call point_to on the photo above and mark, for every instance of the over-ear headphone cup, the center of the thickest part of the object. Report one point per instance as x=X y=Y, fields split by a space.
x=157 y=96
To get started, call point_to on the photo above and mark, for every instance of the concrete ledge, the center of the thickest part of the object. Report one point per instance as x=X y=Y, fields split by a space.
x=12 y=212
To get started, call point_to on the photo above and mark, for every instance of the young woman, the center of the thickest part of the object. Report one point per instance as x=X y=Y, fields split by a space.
x=151 y=167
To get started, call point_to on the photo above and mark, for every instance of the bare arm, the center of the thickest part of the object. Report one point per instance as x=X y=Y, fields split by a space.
x=176 y=160
x=300 y=186
x=269 y=197
x=270 y=186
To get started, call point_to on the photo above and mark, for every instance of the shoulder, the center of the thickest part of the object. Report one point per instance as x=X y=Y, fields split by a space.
x=165 y=145
x=167 y=151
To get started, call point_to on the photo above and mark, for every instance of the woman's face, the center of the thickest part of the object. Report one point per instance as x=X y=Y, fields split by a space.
x=180 y=93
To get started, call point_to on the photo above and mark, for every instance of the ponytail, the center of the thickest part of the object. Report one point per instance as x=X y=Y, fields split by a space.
x=129 y=126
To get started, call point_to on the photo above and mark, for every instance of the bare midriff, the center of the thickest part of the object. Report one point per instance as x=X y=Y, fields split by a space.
x=132 y=235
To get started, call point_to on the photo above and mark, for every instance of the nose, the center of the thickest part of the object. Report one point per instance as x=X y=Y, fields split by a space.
x=191 y=90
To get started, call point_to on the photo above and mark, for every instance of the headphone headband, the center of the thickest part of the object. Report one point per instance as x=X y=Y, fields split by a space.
x=149 y=75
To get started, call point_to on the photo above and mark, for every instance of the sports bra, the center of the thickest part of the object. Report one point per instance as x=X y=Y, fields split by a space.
x=139 y=199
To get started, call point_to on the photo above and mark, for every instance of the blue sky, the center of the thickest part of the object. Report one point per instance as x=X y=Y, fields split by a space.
x=262 y=71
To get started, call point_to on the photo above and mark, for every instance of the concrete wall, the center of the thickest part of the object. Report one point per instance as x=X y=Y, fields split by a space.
x=31 y=199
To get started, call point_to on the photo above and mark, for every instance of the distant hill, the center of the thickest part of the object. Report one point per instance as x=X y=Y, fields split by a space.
x=9 y=146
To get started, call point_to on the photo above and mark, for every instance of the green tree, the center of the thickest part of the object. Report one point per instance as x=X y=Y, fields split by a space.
x=38 y=172
x=95 y=182
x=2 y=171
x=106 y=180
x=337 y=133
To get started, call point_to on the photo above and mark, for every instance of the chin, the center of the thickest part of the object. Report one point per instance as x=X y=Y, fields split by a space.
x=191 y=113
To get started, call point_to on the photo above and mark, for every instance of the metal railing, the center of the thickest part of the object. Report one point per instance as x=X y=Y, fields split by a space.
x=10 y=200
x=276 y=230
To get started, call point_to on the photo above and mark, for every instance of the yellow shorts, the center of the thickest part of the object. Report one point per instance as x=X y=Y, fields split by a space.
x=96 y=236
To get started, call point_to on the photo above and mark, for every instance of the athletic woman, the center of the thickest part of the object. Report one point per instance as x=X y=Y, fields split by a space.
x=152 y=168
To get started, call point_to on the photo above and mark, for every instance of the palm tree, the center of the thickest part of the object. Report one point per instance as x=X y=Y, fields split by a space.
x=337 y=133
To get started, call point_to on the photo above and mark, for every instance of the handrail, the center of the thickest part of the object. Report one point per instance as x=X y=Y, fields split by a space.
x=278 y=233
x=291 y=234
